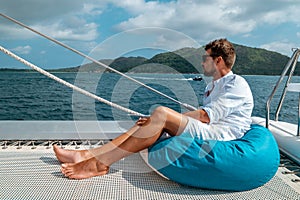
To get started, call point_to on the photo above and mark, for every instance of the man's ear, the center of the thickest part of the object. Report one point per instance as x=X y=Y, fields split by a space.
x=219 y=59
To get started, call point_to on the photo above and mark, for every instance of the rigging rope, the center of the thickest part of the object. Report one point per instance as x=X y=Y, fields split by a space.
x=38 y=69
x=187 y=106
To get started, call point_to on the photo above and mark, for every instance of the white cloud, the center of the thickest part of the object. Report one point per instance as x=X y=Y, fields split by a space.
x=91 y=9
x=22 y=49
x=68 y=30
x=33 y=11
x=62 y=19
x=198 y=19
x=202 y=20
x=283 y=47
x=76 y=20
x=8 y=32
x=156 y=39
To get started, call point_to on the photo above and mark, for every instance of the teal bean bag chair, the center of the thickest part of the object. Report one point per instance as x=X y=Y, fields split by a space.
x=237 y=165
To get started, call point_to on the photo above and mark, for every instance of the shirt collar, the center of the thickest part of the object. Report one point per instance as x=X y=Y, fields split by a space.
x=212 y=84
x=228 y=74
x=222 y=78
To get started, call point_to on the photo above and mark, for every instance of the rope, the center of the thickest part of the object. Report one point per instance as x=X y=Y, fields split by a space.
x=187 y=106
x=38 y=69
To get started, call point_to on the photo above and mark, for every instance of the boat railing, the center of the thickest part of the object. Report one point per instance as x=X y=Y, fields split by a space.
x=291 y=87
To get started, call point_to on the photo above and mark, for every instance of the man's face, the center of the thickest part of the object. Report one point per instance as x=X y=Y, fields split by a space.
x=208 y=64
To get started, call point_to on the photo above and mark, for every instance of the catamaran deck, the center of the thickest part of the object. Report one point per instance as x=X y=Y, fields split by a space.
x=35 y=174
x=29 y=170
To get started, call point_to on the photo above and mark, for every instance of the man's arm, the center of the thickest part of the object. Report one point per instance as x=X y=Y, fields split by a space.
x=200 y=115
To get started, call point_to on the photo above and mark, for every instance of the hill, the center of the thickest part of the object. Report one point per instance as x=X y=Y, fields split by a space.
x=258 y=61
x=89 y=67
x=249 y=61
x=124 y=64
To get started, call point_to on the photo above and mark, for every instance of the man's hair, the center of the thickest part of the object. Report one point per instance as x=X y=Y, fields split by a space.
x=222 y=47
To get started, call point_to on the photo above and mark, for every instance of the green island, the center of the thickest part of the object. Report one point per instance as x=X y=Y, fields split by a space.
x=249 y=61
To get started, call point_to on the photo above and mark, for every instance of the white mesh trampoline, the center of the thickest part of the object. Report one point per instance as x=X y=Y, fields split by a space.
x=32 y=172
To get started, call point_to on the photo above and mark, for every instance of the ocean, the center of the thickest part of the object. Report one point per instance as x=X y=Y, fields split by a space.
x=32 y=96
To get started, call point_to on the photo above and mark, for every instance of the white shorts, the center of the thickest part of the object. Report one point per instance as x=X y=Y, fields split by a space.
x=204 y=131
x=194 y=128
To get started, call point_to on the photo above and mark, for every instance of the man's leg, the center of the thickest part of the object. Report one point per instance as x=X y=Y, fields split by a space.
x=75 y=156
x=136 y=139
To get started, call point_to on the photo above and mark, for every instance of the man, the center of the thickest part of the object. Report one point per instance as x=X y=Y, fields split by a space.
x=225 y=115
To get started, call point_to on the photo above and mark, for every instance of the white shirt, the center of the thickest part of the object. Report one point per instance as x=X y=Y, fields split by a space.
x=229 y=107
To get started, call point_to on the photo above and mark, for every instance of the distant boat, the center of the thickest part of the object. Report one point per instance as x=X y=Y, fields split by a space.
x=197 y=78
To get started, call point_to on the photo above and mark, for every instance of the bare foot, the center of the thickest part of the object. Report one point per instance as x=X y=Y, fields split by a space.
x=71 y=156
x=85 y=169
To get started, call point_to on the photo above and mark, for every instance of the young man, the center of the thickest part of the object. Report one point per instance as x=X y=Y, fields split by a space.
x=225 y=115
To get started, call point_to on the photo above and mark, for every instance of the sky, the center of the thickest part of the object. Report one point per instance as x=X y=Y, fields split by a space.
x=113 y=28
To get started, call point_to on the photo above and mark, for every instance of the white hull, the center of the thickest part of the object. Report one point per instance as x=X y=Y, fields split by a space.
x=285 y=135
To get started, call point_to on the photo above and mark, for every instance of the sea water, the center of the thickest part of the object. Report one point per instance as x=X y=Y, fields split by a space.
x=32 y=96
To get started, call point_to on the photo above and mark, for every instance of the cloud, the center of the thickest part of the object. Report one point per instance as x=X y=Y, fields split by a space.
x=202 y=20
x=22 y=49
x=68 y=30
x=284 y=47
x=198 y=19
x=35 y=11
x=77 y=20
x=61 y=19
x=141 y=39
x=8 y=32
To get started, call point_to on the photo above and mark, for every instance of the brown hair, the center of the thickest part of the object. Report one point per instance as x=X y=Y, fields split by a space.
x=222 y=47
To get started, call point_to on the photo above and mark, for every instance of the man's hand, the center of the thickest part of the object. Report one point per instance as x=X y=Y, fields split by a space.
x=199 y=115
x=143 y=121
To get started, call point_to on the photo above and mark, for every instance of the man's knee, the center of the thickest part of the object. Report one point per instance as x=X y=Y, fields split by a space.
x=159 y=114
x=160 y=110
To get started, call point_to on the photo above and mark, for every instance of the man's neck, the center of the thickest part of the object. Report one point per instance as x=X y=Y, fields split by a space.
x=221 y=74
